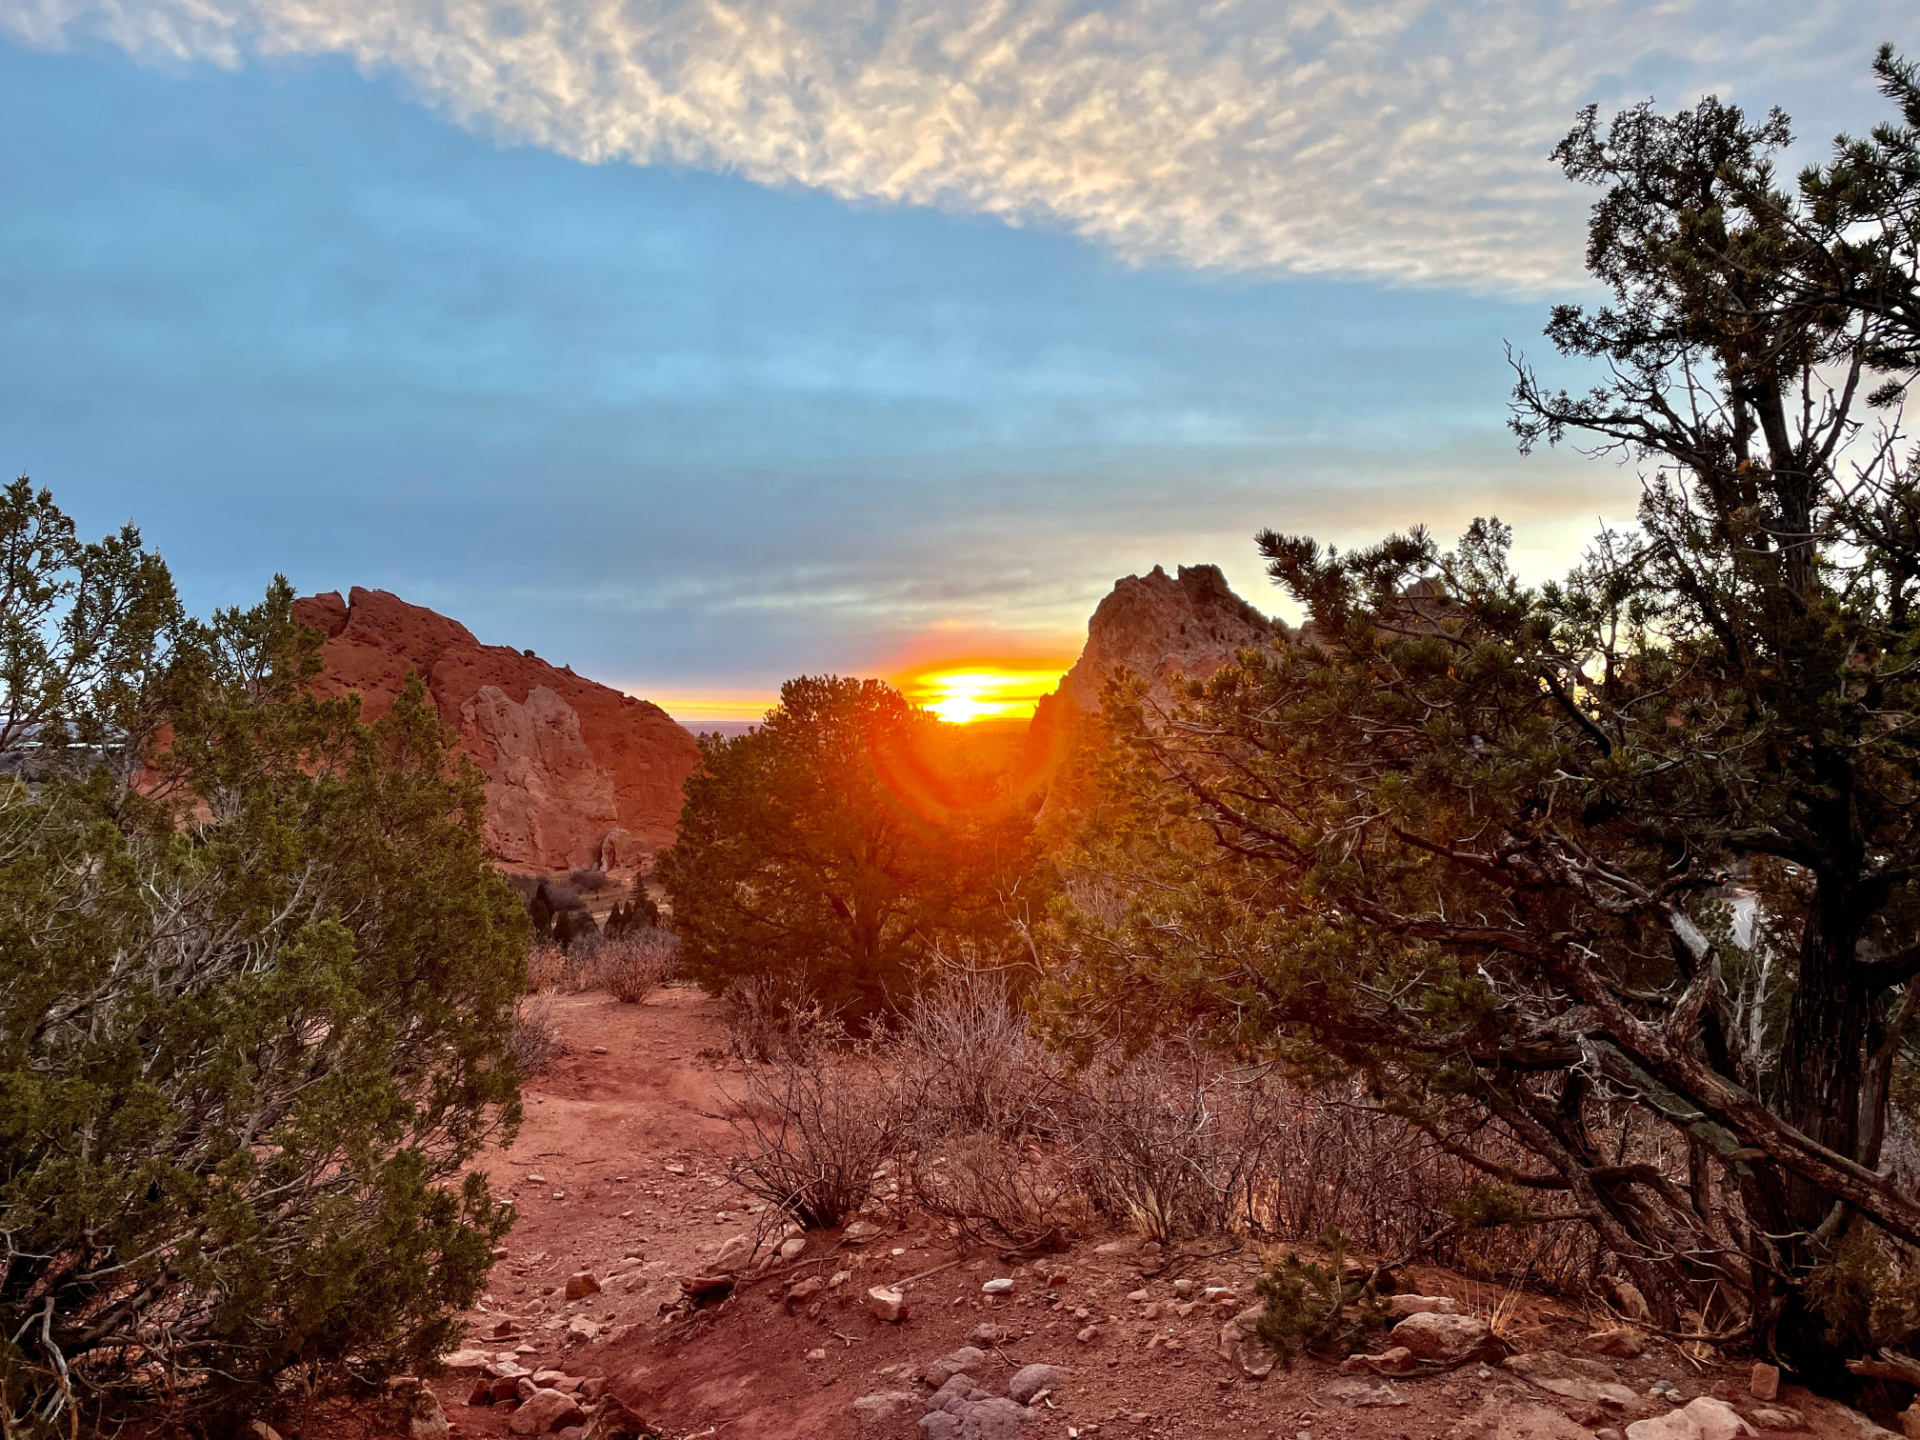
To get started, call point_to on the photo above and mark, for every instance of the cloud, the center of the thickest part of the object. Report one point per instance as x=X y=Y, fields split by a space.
x=1401 y=140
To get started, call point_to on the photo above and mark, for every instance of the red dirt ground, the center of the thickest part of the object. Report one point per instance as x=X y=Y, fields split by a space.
x=620 y=1170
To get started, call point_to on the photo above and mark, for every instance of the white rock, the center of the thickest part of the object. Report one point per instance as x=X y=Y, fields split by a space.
x=888 y=1303
x=733 y=1253
x=1674 y=1425
x=999 y=1286
x=1441 y=1337
x=1401 y=1306
x=1717 y=1419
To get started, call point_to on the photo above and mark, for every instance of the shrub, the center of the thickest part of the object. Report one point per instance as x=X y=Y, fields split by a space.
x=814 y=1129
x=630 y=968
x=243 y=1077
x=590 y=879
x=535 y=1041
x=1315 y=1310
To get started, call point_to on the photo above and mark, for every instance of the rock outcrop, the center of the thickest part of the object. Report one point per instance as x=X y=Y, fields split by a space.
x=1159 y=627
x=577 y=773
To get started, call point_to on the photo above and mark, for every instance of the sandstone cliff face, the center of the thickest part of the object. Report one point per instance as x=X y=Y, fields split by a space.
x=1159 y=627
x=577 y=773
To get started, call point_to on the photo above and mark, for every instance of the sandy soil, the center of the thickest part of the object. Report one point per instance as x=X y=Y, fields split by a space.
x=620 y=1170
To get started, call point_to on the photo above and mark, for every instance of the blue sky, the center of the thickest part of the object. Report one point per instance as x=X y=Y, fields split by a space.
x=698 y=352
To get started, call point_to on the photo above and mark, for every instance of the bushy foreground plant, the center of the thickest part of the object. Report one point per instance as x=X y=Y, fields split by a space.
x=257 y=981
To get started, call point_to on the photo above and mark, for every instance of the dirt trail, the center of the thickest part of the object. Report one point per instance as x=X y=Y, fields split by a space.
x=619 y=1170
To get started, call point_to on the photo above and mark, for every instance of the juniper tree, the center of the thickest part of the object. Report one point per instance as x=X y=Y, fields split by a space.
x=256 y=983
x=1479 y=841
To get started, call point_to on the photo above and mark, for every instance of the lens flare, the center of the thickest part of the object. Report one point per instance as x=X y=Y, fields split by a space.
x=964 y=691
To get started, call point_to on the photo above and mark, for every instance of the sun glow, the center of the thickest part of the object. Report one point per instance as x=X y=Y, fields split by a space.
x=964 y=691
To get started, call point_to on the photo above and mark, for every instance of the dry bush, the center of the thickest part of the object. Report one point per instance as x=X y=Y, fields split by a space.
x=1000 y=1192
x=632 y=966
x=545 y=965
x=1172 y=1138
x=590 y=879
x=965 y=1051
x=536 y=1041
x=814 y=1127
x=774 y=1018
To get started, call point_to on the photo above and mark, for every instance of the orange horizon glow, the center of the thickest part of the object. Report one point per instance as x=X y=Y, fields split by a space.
x=964 y=691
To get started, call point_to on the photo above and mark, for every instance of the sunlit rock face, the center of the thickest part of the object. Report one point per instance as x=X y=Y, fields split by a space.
x=1162 y=626
x=569 y=763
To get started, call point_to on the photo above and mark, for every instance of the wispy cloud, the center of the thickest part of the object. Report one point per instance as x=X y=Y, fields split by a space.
x=1403 y=140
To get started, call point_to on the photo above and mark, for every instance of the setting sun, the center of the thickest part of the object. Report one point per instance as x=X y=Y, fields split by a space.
x=963 y=691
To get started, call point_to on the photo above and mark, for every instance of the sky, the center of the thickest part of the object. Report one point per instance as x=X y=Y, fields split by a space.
x=698 y=345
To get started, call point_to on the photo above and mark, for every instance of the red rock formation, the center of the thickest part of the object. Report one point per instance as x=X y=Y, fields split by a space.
x=1161 y=627
x=1156 y=626
x=577 y=773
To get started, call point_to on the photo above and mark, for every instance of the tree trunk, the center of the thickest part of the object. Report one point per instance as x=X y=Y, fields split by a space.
x=1818 y=1085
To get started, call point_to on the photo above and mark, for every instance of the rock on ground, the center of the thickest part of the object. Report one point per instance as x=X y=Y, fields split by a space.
x=1572 y=1378
x=546 y=1410
x=1507 y=1418
x=1446 y=1338
x=947 y=1366
x=883 y=1405
x=888 y=1303
x=1401 y=1306
x=1030 y=1380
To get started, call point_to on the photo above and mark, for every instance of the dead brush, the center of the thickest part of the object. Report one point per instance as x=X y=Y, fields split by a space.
x=999 y=1193
x=964 y=1047
x=535 y=1040
x=812 y=1130
x=632 y=967
x=774 y=1018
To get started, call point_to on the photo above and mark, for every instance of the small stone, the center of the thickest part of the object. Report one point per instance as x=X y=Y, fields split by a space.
x=888 y=1303
x=801 y=1291
x=1139 y=1297
x=816 y=1355
x=1086 y=1335
x=1000 y=1286
x=581 y=1284
x=860 y=1232
x=472 y=1362
x=988 y=1333
x=581 y=1329
x=1030 y=1380
x=1059 y=1276
x=599 y=1049
x=1765 y=1383
x=1126 y=1245
x=593 y=1387
x=792 y=1249
x=1779 y=1417
x=734 y=1253
x=536 y=1179
x=1184 y=1287
x=840 y=1277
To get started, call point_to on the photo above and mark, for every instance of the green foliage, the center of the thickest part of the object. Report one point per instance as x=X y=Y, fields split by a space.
x=254 y=1012
x=828 y=850
x=1486 y=1207
x=1477 y=841
x=1312 y=1310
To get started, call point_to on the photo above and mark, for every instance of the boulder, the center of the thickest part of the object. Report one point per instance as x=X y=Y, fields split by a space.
x=425 y=1419
x=581 y=1330
x=569 y=763
x=1631 y=1302
x=1778 y=1417
x=955 y=1393
x=794 y=1248
x=472 y=1362
x=1717 y=1419
x=1674 y=1425
x=544 y=1411
x=888 y=1303
x=1029 y=1380
x=1449 y=1339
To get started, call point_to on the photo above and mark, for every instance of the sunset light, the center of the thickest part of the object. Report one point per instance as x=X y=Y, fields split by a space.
x=964 y=691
